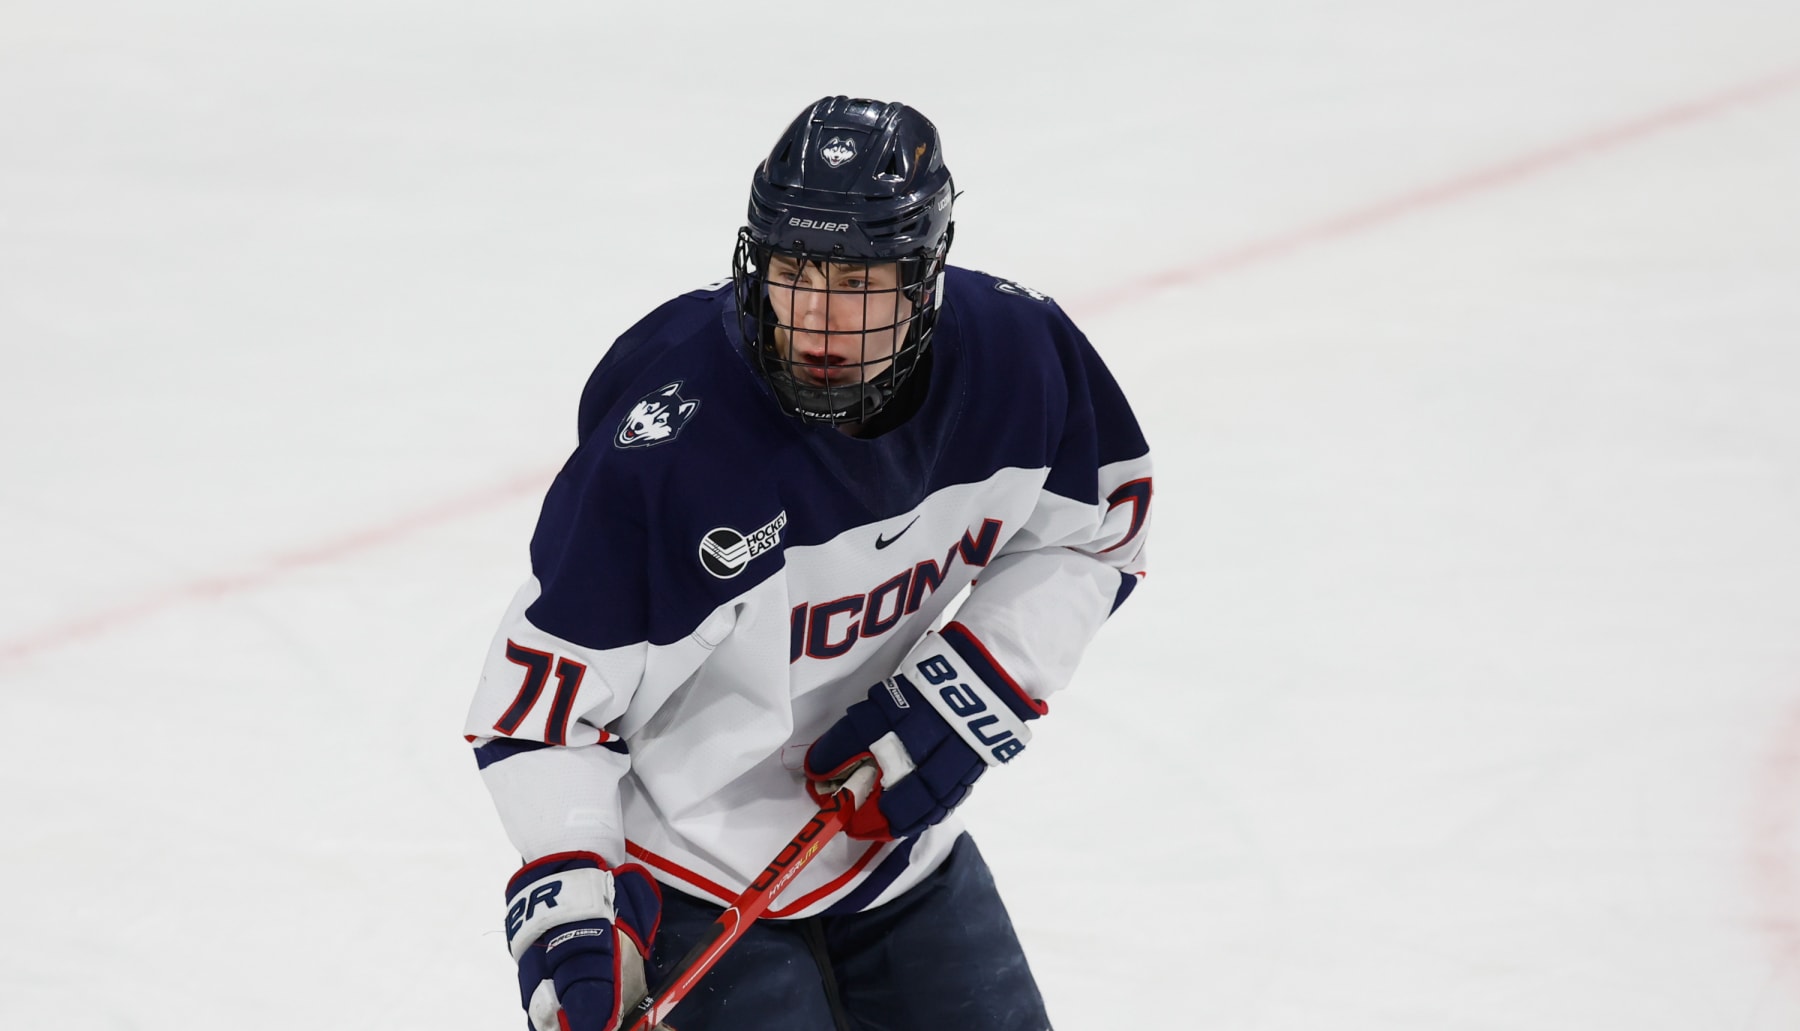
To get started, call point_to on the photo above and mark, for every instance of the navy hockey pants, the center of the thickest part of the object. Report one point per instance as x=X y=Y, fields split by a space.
x=941 y=957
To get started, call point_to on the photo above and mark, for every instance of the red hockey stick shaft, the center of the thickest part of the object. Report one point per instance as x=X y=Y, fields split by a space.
x=756 y=899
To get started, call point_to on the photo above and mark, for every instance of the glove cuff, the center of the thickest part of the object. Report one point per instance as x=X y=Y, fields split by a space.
x=568 y=887
x=983 y=664
x=554 y=891
x=981 y=704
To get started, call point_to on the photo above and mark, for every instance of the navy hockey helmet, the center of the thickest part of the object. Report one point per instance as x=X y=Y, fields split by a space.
x=839 y=271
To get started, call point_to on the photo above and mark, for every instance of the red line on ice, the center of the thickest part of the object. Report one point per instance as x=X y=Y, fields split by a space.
x=1256 y=252
x=272 y=568
x=1481 y=180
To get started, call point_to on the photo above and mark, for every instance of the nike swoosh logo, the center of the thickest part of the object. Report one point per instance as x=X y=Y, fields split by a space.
x=882 y=542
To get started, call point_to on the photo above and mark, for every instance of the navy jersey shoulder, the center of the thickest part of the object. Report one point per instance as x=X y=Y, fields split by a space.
x=661 y=463
x=1028 y=345
x=654 y=342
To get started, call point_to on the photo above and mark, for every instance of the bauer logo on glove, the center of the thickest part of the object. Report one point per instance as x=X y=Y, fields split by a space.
x=932 y=744
x=965 y=703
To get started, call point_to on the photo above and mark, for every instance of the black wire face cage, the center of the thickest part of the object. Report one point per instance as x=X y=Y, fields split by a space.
x=835 y=337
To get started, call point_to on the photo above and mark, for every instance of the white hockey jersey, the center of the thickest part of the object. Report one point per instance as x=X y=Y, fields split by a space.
x=714 y=583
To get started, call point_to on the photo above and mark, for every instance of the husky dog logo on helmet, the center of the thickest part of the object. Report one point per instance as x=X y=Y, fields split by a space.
x=838 y=150
x=655 y=418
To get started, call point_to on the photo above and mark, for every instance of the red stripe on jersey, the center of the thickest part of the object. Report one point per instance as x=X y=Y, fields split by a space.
x=681 y=873
x=1138 y=492
x=836 y=884
x=726 y=896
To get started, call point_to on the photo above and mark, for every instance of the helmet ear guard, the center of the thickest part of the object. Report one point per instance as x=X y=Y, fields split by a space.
x=851 y=183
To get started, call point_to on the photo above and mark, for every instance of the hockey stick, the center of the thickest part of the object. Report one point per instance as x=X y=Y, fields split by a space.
x=748 y=907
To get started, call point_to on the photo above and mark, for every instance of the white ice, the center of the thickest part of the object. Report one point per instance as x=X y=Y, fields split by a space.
x=1465 y=690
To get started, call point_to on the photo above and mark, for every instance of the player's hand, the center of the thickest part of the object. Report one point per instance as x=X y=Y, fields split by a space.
x=579 y=932
x=933 y=728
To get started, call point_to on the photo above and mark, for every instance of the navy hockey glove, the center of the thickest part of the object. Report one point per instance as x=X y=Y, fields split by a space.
x=580 y=932
x=933 y=728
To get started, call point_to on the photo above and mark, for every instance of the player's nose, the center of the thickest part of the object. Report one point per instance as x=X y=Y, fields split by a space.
x=815 y=333
x=812 y=312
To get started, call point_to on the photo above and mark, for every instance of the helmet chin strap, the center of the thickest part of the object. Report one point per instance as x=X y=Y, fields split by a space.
x=828 y=404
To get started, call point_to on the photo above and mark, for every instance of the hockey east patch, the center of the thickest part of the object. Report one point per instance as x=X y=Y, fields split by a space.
x=725 y=551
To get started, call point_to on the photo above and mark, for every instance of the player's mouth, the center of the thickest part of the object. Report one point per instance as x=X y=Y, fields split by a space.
x=824 y=375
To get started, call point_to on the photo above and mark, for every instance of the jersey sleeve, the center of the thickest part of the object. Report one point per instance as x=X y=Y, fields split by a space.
x=538 y=724
x=1081 y=553
x=573 y=653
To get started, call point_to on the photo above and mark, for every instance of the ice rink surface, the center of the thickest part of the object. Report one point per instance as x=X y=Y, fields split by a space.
x=1464 y=694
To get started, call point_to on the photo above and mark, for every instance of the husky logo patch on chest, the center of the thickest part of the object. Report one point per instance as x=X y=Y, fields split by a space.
x=656 y=418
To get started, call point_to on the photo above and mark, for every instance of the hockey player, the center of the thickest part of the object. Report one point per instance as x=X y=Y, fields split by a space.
x=740 y=588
